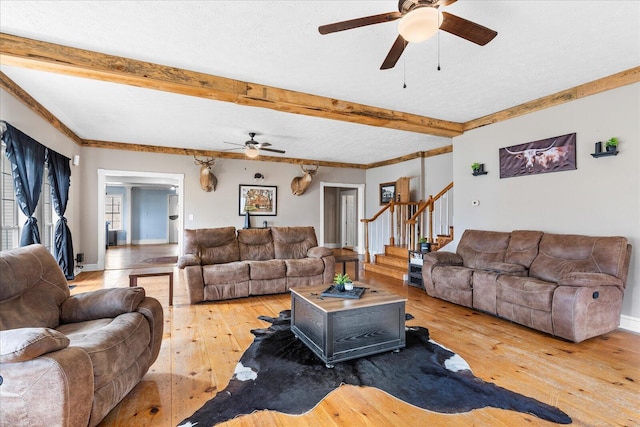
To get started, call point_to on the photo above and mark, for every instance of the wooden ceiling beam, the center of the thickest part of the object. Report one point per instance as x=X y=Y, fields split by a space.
x=43 y=56
x=613 y=81
x=210 y=153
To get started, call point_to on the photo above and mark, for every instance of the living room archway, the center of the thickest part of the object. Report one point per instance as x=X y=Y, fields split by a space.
x=326 y=213
x=148 y=178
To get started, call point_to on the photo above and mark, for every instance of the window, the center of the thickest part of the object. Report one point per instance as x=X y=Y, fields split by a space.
x=9 y=212
x=12 y=217
x=113 y=211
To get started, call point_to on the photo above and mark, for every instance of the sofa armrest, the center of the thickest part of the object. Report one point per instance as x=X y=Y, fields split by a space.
x=188 y=259
x=19 y=345
x=590 y=280
x=53 y=389
x=151 y=309
x=436 y=259
x=100 y=304
x=319 y=252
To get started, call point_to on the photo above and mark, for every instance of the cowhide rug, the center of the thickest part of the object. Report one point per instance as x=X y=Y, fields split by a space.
x=279 y=373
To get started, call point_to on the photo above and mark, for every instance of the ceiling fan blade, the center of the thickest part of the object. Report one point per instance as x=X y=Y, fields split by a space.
x=466 y=29
x=233 y=143
x=394 y=54
x=359 y=22
x=445 y=2
x=264 y=144
x=273 y=150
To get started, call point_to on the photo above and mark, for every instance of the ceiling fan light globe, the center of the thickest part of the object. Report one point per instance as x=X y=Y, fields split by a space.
x=420 y=24
x=251 y=153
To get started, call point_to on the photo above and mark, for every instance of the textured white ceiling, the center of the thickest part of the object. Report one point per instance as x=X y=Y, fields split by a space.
x=542 y=47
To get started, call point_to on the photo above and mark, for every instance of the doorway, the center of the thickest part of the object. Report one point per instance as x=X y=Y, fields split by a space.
x=132 y=179
x=342 y=209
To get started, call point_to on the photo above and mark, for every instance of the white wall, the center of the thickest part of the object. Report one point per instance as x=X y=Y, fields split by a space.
x=600 y=197
x=217 y=208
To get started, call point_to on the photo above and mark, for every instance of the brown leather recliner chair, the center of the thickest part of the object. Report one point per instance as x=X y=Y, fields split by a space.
x=68 y=360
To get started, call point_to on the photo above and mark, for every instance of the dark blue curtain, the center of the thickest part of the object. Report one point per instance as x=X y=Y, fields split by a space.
x=27 y=165
x=60 y=180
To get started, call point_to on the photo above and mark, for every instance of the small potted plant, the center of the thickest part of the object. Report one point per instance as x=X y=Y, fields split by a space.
x=425 y=246
x=477 y=168
x=342 y=281
x=612 y=144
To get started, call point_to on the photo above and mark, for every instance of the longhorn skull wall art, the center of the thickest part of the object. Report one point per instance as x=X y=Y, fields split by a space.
x=546 y=155
x=208 y=180
x=299 y=184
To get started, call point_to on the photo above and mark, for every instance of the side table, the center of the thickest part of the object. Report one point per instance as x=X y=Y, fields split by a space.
x=153 y=272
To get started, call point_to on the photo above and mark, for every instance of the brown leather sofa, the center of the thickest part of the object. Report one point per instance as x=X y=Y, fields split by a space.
x=570 y=286
x=68 y=360
x=221 y=263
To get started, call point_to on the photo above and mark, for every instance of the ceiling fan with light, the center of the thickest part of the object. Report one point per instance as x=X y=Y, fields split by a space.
x=252 y=147
x=419 y=20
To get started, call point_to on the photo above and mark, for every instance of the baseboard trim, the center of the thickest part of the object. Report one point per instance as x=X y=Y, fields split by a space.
x=630 y=323
x=149 y=242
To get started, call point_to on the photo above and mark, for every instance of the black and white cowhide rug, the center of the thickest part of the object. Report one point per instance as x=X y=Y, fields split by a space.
x=279 y=373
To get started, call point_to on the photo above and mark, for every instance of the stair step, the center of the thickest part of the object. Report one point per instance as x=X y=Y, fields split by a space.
x=399 y=251
x=386 y=271
x=392 y=261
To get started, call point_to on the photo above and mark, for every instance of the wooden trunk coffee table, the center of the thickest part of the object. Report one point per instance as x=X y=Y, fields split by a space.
x=338 y=329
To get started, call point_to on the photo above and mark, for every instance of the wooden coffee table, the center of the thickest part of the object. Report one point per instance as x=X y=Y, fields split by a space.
x=338 y=329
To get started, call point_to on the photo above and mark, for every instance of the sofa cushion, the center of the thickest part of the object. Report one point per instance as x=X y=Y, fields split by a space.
x=293 y=242
x=304 y=267
x=561 y=254
x=212 y=245
x=506 y=268
x=32 y=288
x=452 y=277
x=523 y=247
x=272 y=269
x=18 y=345
x=255 y=244
x=219 y=274
x=112 y=344
x=478 y=247
x=526 y=291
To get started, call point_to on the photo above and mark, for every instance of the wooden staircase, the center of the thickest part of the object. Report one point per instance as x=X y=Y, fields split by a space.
x=395 y=259
x=406 y=222
x=393 y=263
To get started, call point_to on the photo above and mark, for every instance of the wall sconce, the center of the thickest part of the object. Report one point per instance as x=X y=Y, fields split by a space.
x=258 y=177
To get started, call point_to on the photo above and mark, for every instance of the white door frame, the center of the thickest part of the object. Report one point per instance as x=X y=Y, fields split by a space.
x=360 y=187
x=175 y=179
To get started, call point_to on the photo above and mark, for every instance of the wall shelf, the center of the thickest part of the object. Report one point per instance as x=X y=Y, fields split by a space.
x=479 y=173
x=605 y=153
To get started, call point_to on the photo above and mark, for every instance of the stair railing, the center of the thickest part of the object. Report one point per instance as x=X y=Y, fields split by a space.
x=390 y=222
x=402 y=222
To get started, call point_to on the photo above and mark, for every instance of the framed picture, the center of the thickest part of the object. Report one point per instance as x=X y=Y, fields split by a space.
x=258 y=200
x=546 y=155
x=387 y=192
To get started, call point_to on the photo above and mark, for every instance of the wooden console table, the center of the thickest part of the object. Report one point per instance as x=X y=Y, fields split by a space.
x=153 y=272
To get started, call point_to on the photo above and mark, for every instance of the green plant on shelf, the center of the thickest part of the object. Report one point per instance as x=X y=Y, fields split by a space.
x=476 y=167
x=612 y=142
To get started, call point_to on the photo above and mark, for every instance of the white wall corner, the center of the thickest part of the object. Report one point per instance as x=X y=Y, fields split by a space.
x=629 y=323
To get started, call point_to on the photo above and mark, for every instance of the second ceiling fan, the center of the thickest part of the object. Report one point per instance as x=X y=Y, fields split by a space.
x=419 y=20
x=252 y=147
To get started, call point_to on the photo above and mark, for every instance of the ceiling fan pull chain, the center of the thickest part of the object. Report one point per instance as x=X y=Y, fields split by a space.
x=439 y=23
x=404 y=62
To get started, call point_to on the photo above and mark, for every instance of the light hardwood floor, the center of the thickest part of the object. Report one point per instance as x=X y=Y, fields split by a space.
x=596 y=382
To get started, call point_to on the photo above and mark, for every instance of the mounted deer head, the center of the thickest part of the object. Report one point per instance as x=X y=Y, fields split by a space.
x=300 y=183
x=208 y=180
